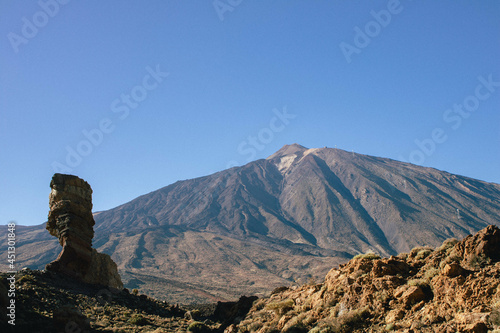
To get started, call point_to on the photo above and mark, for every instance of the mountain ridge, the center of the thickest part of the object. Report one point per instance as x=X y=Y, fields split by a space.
x=274 y=221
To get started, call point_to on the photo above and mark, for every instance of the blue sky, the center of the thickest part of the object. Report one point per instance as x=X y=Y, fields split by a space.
x=133 y=96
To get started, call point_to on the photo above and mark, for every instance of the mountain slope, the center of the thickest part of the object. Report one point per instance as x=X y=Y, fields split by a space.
x=291 y=216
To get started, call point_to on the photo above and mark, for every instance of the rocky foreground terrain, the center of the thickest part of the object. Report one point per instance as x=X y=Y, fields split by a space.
x=453 y=288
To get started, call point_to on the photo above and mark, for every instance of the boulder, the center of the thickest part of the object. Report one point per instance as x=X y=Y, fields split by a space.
x=391 y=266
x=453 y=269
x=103 y=270
x=484 y=245
x=413 y=295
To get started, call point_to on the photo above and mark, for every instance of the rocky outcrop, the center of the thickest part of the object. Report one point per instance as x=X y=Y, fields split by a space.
x=454 y=288
x=71 y=221
x=230 y=313
x=483 y=246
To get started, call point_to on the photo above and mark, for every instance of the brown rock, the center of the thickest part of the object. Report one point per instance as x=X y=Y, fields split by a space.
x=231 y=329
x=391 y=266
x=103 y=270
x=453 y=269
x=71 y=221
x=413 y=295
x=476 y=328
x=484 y=244
x=394 y=315
x=471 y=318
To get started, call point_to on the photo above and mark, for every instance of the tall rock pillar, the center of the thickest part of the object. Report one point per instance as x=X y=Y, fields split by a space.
x=71 y=221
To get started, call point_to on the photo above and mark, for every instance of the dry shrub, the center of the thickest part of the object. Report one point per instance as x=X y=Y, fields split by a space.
x=422 y=254
x=368 y=256
x=281 y=307
x=447 y=244
x=430 y=273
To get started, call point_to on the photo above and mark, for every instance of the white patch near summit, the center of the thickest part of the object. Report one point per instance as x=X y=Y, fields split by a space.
x=286 y=162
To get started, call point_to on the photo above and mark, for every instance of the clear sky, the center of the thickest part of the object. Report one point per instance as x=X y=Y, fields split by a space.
x=135 y=95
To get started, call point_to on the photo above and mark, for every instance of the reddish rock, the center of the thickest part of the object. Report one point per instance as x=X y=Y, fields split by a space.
x=413 y=295
x=391 y=266
x=485 y=244
x=453 y=269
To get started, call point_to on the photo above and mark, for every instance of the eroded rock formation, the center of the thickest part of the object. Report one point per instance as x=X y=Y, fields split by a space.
x=71 y=221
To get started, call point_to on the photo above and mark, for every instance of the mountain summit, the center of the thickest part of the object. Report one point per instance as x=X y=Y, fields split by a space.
x=291 y=216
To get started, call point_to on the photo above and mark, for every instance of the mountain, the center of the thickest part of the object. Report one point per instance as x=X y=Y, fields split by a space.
x=284 y=219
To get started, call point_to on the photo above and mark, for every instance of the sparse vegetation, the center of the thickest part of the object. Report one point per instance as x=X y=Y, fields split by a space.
x=420 y=253
x=138 y=320
x=368 y=256
x=351 y=320
x=430 y=273
x=452 y=257
x=447 y=244
x=198 y=327
x=424 y=283
x=478 y=262
x=382 y=296
x=495 y=317
x=281 y=307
